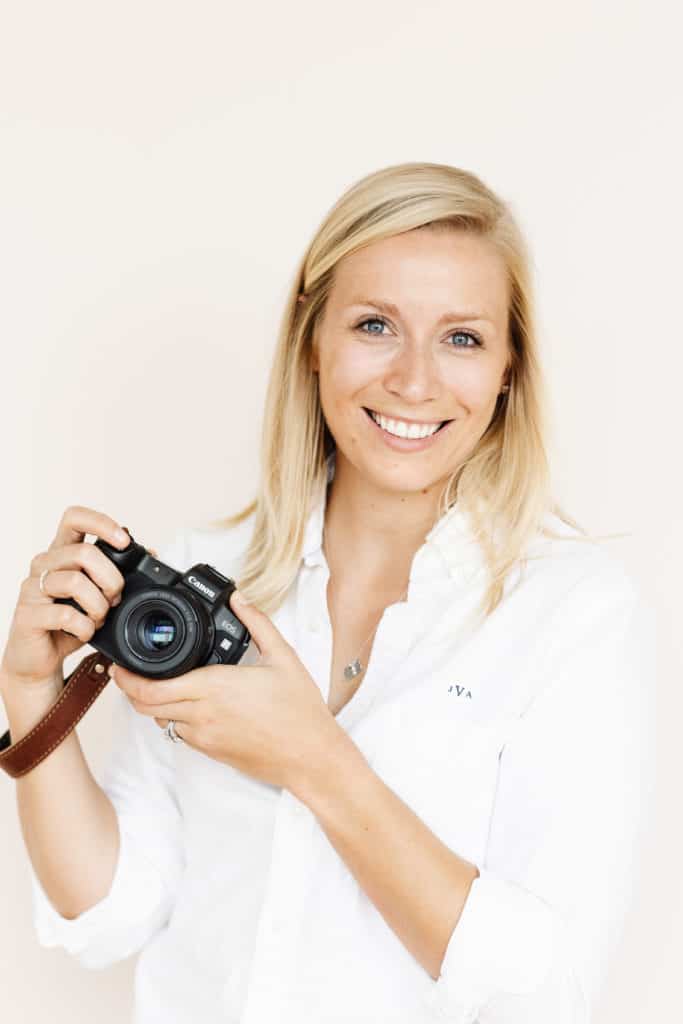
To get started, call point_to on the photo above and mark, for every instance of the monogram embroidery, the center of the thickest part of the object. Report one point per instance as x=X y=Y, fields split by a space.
x=460 y=691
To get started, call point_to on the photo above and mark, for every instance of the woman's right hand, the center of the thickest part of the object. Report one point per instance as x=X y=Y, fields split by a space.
x=37 y=644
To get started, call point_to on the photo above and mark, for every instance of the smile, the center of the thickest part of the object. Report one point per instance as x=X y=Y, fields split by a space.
x=405 y=436
x=405 y=428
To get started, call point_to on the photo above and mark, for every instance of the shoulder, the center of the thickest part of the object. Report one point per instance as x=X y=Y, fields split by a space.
x=224 y=548
x=592 y=620
x=565 y=562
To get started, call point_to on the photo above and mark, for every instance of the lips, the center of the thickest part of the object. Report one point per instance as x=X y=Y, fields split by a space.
x=369 y=412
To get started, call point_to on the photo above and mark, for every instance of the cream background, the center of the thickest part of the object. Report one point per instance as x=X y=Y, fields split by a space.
x=163 y=166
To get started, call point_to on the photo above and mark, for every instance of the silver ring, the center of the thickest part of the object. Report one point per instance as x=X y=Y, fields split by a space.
x=42 y=580
x=171 y=734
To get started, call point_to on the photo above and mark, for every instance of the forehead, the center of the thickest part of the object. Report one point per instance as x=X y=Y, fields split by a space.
x=452 y=269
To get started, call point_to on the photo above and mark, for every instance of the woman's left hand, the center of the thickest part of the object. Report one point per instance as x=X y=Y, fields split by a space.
x=267 y=720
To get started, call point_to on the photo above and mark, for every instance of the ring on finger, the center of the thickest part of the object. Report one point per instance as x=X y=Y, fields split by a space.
x=171 y=734
x=41 y=581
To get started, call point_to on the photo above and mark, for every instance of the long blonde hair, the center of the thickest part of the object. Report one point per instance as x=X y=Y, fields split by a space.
x=504 y=484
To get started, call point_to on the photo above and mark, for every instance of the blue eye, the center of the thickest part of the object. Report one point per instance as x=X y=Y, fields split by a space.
x=371 y=320
x=464 y=334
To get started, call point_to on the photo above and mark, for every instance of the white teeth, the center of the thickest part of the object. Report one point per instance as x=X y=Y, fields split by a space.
x=401 y=429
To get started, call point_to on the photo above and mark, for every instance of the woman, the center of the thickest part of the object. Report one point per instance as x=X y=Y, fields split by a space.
x=422 y=798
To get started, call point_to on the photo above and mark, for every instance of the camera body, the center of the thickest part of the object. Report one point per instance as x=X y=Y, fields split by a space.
x=168 y=622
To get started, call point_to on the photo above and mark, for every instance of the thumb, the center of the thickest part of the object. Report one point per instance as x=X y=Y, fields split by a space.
x=265 y=634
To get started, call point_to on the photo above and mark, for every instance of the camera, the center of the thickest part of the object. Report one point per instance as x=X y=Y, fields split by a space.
x=168 y=622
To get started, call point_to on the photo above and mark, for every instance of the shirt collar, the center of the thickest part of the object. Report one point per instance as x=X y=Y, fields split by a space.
x=449 y=550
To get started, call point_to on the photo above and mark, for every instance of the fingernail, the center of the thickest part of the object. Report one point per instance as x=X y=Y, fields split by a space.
x=238 y=597
x=117 y=600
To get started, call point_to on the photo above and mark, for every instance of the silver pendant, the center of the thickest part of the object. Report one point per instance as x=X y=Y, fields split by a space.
x=353 y=669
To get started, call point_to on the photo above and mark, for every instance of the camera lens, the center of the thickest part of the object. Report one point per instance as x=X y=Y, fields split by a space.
x=162 y=632
x=157 y=631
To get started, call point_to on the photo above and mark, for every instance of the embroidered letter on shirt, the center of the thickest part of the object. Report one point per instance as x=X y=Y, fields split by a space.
x=460 y=691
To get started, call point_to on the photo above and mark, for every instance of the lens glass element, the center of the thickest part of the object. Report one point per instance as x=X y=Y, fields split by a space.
x=157 y=631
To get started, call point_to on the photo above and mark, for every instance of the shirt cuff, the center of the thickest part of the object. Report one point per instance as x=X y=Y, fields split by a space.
x=136 y=906
x=505 y=942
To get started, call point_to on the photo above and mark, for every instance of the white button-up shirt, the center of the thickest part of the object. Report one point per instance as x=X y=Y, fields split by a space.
x=525 y=744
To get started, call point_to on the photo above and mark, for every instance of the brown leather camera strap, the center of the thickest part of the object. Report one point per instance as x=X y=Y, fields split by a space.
x=81 y=689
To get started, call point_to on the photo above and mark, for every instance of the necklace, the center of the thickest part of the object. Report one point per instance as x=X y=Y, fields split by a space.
x=355 y=667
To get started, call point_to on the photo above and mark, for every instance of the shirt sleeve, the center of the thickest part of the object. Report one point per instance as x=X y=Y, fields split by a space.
x=138 y=779
x=576 y=780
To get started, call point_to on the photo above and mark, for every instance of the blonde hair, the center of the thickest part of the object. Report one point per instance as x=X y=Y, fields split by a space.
x=504 y=484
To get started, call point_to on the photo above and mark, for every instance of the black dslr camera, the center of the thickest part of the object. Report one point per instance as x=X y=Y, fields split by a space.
x=168 y=622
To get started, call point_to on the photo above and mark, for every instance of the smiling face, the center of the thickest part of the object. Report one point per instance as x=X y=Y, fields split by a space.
x=415 y=328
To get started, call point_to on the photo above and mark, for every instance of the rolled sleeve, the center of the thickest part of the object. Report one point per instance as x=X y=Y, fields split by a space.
x=541 y=922
x=136 y=906
x=138 y=778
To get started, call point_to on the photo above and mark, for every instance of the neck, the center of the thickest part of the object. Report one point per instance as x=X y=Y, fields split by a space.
x=371 y=533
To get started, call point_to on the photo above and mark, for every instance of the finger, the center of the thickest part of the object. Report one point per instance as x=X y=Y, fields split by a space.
x=38 y=618
x=186 y=733
x=264 y=632
x=68 y=583
x=180 y=711
x=151 y=693
x=78 y=521
x=92 y=562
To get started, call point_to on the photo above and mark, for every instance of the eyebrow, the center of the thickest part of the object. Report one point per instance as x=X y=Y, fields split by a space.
x=392 y=310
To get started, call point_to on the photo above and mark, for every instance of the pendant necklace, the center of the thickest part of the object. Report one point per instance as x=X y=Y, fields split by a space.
x=355 y=667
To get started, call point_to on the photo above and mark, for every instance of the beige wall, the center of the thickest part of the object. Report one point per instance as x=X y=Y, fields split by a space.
x=162 y=166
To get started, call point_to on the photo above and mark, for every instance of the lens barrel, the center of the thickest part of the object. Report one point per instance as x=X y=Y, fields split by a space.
x=163 y=632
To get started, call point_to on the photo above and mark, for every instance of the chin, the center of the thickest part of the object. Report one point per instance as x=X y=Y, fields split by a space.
x=402 y=478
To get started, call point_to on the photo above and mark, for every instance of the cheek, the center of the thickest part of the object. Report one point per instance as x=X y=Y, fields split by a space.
x=472 y=390
x=343 y=377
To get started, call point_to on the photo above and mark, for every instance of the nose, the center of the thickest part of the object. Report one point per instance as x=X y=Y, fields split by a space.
x=412 y=374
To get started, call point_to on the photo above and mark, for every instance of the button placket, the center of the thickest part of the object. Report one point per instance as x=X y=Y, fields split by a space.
x=280 y=923
x=313 y=646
